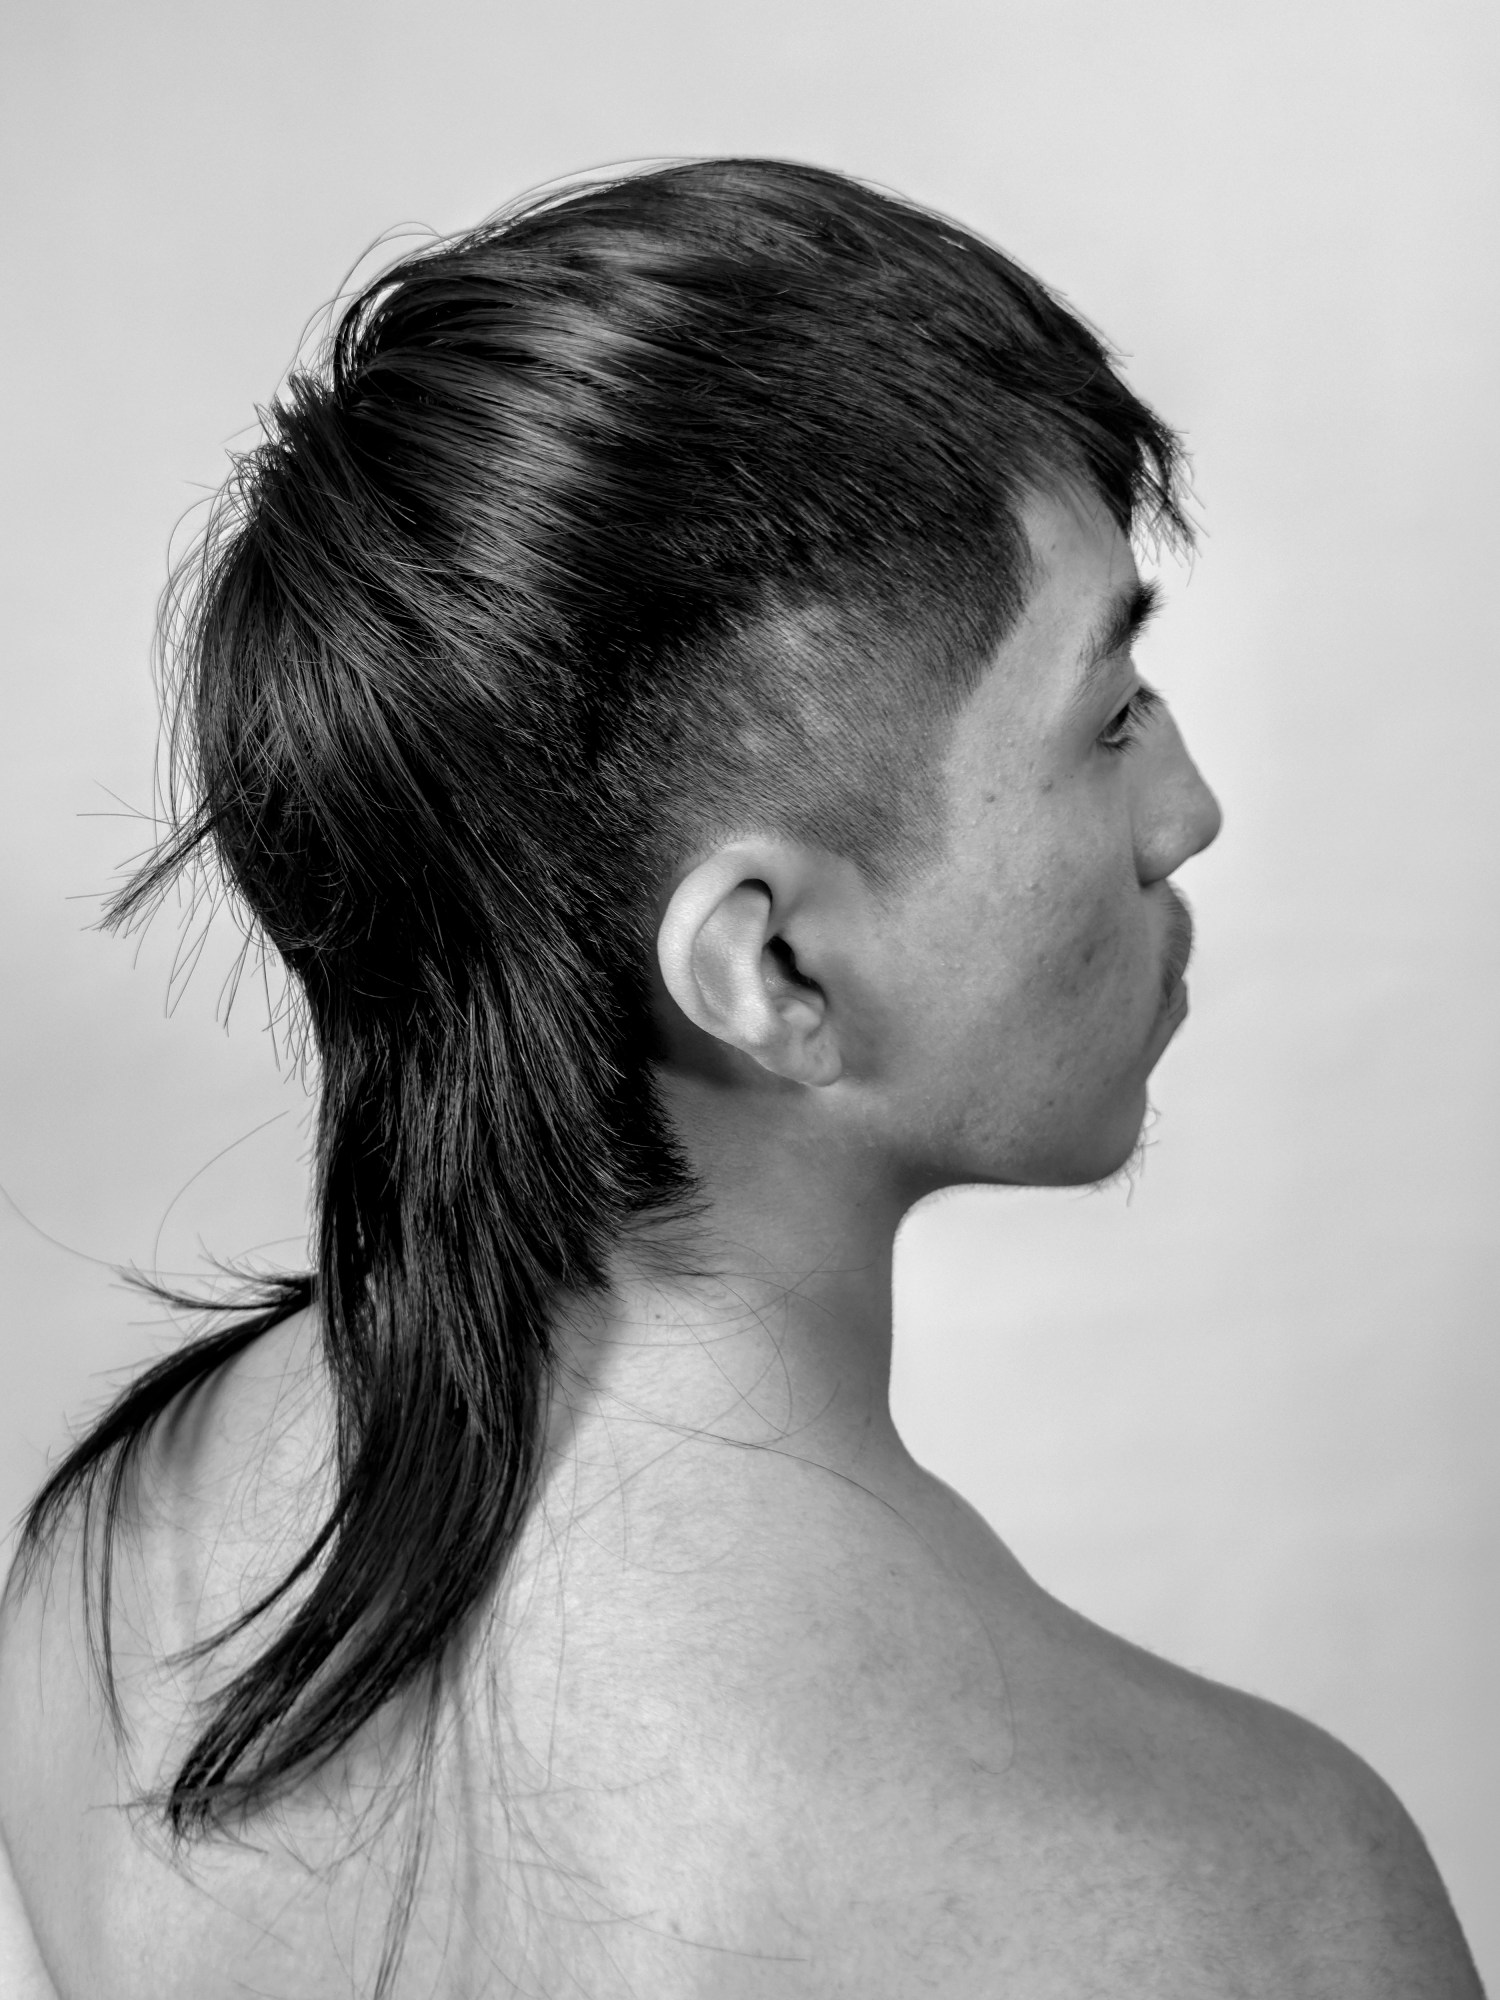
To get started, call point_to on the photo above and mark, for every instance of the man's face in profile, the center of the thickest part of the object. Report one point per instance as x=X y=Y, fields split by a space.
x=1038 y=965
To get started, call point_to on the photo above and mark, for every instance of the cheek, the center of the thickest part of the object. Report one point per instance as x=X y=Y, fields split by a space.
x=1071 y=935
x=1026 y=1002
x=1069 y=1015
x=1087 y=960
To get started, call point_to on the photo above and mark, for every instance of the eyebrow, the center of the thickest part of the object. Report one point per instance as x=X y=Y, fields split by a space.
x=1121 y=622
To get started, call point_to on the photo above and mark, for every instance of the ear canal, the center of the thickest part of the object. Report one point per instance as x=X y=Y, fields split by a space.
x=786 y=961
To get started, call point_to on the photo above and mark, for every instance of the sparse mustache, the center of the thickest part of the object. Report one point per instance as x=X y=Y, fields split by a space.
x=1179 y=949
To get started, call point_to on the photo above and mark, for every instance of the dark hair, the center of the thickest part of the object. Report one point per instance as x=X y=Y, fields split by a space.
x=660 y=509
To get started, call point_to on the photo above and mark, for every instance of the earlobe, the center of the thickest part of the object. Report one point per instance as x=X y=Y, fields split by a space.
x=727 y=964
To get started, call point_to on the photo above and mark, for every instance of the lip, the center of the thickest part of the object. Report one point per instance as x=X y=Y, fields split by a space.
x=1179 y=941
x=1173 y=1010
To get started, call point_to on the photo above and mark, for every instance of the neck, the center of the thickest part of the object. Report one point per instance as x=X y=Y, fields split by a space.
x=764 y=1321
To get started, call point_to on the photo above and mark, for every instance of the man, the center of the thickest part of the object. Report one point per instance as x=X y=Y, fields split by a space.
x=749 y=1704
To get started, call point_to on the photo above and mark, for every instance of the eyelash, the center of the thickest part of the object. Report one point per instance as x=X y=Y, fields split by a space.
x=1124 y=727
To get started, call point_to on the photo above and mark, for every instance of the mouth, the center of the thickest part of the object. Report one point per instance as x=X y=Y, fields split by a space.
x=1178 y=953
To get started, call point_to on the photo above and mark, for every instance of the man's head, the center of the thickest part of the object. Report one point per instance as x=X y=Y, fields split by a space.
x=678 y=575
x=854 y=401
x=675 y=511
x=994 y=1018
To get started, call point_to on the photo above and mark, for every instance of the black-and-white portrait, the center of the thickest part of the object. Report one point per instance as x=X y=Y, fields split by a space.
x=747 y=1192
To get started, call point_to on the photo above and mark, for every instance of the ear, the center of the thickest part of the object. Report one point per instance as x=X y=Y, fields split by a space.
x=727 y=961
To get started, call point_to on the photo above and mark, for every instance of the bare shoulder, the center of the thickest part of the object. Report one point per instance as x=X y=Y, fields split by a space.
x=23 y=1971
x=222 y=1493
x=1263 y=1832
x=1336 y=1849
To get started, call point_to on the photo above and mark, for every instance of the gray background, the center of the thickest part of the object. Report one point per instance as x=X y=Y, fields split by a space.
x=1245 y=1417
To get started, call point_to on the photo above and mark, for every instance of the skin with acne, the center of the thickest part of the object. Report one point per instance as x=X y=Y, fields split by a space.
x=1050 y=924
x=770 y=1713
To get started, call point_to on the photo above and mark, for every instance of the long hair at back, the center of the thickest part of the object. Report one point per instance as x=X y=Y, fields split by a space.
x=669 y=507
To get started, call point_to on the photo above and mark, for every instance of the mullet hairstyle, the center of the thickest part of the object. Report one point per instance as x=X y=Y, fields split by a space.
x=651 y=512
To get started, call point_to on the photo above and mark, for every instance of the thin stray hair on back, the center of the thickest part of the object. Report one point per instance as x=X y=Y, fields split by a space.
x=674 y=505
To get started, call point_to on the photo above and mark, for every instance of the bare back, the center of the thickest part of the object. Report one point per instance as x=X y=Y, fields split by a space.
x=752 y=1731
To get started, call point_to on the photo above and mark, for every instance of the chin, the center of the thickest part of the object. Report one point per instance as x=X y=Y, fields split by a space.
x=1096 y=1149
x=1106 y=1152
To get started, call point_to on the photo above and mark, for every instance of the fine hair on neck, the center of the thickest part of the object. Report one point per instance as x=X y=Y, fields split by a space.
x=658 y=509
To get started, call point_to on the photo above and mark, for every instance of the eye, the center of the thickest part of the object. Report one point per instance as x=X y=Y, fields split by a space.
x=1126 y=724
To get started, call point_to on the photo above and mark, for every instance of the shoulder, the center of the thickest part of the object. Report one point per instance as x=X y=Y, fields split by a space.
x=1380 y=1893
x=1367 y=1896
x=23 y=1972
x=1070 y=1806
x=1268 y=1833
x=216 y=1499
x=226 y=1488
x=53 y=1732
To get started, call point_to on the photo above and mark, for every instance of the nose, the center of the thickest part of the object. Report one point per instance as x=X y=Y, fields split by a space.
x=1176 y=815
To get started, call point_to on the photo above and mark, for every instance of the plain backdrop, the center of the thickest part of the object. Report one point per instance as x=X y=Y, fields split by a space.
x=1243 y=1411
